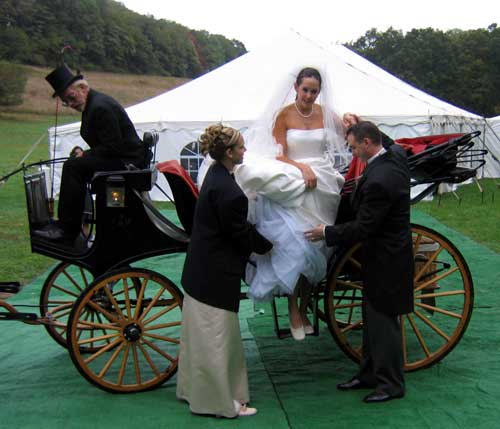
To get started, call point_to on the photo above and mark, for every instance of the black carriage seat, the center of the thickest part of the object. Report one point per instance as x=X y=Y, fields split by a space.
x=440 y=162
x=184 y=191
x=140 y=182
x=444 y=159
x=149 y=139
x=36 y=199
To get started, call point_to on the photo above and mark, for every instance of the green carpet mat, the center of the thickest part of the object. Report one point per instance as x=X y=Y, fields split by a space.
x=460 y=391
x=292 y=384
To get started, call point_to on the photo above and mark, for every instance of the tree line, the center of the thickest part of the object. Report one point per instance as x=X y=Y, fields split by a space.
x=105 y=35
x=461 y=67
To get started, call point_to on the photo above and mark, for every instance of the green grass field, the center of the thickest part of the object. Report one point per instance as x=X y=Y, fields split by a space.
x=470 y=211
x=476 y=215
x=17 y=137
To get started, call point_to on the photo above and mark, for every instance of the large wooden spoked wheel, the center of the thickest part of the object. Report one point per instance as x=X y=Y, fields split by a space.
x=136 y=336
x=443 y=294
x=61 y=289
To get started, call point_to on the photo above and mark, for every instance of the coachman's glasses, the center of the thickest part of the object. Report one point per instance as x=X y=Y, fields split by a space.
x=68 y=99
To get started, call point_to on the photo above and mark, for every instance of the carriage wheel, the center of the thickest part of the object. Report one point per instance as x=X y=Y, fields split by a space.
x=62 y=287
x=139 y=330
x=443 y=297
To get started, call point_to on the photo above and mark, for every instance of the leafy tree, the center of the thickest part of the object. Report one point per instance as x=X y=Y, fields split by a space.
x=15 y=44
x=12 y=83
x=105 y=35
x=462 y=67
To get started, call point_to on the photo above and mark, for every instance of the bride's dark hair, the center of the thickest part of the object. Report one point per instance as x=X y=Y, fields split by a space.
x=216 y=139
x=308 y=72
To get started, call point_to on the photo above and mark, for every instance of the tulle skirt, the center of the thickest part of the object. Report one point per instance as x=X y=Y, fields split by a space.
x=282 y=209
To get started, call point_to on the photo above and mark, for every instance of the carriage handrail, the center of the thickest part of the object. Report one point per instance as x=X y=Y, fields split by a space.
x=24 y=167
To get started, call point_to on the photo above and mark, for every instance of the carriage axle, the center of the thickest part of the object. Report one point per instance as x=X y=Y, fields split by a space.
x=22 y=317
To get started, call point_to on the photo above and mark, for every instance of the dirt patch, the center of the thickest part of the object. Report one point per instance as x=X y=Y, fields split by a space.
x=128 y=89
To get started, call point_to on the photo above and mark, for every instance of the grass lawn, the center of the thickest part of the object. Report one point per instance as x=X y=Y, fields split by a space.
x=469 y=211
x=17 y=136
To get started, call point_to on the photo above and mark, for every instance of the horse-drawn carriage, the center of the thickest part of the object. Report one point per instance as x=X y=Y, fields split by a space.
x=121 y=323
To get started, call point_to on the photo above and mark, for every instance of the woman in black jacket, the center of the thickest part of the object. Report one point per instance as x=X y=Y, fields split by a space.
x=212 y=374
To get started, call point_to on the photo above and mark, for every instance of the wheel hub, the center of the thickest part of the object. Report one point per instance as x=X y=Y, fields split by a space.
x=132 y=332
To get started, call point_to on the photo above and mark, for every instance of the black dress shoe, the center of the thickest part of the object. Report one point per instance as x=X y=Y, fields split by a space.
x=56 y=233
x=380 y=397
x=50 y=232
x=353 y=384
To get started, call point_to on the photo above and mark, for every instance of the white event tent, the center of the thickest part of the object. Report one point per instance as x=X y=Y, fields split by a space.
x=492 y=143
x=238 y=92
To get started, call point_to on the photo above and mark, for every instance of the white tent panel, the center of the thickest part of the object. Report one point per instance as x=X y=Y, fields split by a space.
x=492 y=143
x=239 y=91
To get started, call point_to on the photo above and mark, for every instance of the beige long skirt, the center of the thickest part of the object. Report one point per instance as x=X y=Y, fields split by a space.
x=212 y=370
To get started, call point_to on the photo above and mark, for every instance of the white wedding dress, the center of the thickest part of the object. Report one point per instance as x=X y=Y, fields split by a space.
x=282 y=209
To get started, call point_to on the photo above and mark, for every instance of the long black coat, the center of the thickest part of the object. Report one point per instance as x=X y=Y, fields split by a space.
x=381 y=204
x=221 y=242
x=109 y=132
x=113 y=142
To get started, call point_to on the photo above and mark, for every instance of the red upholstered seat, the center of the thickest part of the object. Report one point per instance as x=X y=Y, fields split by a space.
x=184 y=190
x=173 y=167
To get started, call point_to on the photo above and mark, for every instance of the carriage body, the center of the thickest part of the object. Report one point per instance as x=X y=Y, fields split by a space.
x=121 y=324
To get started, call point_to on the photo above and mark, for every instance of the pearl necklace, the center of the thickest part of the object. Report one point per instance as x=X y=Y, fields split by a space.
x=301 y=114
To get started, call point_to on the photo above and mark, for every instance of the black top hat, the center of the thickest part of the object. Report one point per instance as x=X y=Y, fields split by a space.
x=61 y=78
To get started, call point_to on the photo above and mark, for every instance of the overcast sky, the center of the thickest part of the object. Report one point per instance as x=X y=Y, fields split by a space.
x=325 y=21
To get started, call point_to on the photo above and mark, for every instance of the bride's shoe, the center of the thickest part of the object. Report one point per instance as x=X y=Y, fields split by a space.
x=308 y=329
x=297 y=333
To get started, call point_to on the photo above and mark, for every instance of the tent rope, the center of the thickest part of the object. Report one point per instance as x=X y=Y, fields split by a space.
x=30 y=150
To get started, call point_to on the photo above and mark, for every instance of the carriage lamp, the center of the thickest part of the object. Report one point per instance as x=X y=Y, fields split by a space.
x=115 y=191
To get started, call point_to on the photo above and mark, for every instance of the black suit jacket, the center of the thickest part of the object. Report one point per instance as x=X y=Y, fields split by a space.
x=109 y=132
x=221 y=242
x=381 y=204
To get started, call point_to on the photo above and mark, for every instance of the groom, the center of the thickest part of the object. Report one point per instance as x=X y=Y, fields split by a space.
x=381 y=202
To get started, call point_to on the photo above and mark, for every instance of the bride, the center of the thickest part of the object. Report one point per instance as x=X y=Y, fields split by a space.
x=291 y=171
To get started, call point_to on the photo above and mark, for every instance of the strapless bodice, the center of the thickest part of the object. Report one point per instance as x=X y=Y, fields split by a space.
x=306 y=143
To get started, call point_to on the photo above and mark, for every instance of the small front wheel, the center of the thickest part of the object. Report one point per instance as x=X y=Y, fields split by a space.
x=61 y=289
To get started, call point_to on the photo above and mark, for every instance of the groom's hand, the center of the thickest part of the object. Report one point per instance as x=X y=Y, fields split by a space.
x=315 y=234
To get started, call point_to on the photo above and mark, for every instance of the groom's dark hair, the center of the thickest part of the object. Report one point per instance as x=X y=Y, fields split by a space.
x=365 y=129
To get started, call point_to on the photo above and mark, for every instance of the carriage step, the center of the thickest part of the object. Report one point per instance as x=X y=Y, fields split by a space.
x=23 y=317
x=10 y=287
x=283 y=333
